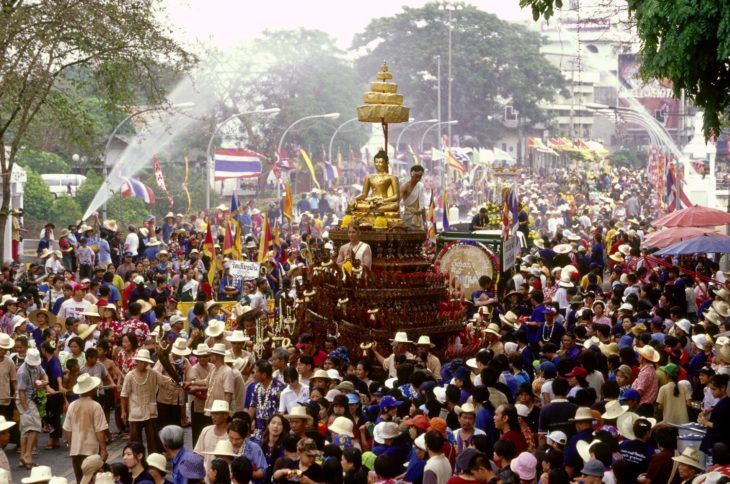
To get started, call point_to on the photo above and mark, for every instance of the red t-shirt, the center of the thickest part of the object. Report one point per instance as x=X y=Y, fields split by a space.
x=516 y=438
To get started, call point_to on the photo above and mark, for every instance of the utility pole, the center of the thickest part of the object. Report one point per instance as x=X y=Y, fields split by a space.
x=449 y=80
x=438 y=94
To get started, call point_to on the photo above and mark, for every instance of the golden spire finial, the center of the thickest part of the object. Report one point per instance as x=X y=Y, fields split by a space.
x=383 y=104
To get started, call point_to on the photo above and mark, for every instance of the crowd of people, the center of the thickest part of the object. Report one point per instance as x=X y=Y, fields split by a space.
x=596 y=362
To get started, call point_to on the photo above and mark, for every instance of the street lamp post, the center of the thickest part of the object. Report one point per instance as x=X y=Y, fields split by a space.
x=208 y=156
x=300 y=120
x=105 y=168
x=397 y=141
x=434 y=125
x=332 y=139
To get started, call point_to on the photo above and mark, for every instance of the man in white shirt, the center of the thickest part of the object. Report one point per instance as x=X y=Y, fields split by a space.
x=76 y=305
x=131 y=243
x=258 y=299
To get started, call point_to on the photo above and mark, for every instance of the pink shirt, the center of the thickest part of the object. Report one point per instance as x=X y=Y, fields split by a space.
x=646 y=384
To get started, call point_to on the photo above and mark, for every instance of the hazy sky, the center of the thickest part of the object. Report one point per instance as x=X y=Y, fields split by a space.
x=226 y=22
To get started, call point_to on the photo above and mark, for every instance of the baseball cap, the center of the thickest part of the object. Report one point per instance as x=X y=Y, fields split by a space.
x=558 y=437
x=630 y=394
x=419 y=421
x=389 y=401
x=578 y=372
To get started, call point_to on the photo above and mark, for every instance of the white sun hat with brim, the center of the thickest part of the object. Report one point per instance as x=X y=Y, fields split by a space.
x=584 y=449
x=5 y=424
x=614 y=409
x=6 y=342
x=401 y=337
x=420 y=442
x=625 y=249
x=466 y=408
x=221 y=406
x=684 y=325
x=342 y=426
x=157 y=461
x=86 y=383
x=691 y=457
x=237 y=336
x=713 y=317
x=143 y=354
x=701 y=340
x=224 y=448
x=92 y=312
x=722 y=308
x=625 y=424
x=38 y=474
x=215 y=328
x=492 y=328
x=440 y=394
x=180 y=347
x=201 y=350
x=217 y=349
x=424 y=340
x=33 y=357
x=582 y=414
x=85 y=330
x=298 y=412
x=563 y=249
x=649 y=353
x=509 y=318
x=385 y=430
x=522 y=410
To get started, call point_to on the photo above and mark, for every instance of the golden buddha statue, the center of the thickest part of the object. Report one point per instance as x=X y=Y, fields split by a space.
x=380 y=192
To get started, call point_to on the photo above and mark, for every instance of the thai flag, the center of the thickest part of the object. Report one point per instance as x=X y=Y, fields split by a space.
x=331 y=172
x=237 y=164
x=135 y=188
x=670 y=190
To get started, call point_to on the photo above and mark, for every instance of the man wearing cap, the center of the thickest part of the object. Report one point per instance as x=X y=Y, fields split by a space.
x=400 y=347
x=433 y=364
x=85 y=425
x=139 y=400
x=467 y=430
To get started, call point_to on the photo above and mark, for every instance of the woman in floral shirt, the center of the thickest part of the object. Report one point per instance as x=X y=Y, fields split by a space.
x=127 y=352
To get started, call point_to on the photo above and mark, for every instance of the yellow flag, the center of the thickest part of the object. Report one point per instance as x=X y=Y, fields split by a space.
x=237 y=249
x=185 y=184
x=310 y=166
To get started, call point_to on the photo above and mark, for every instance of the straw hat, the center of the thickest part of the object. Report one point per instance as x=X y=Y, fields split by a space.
x=608 y=349
x=92 y=311
x=84 y=330
x=298 y=412
x=424 y=340
x=617 y=257
x=104 y=478
x=161 y=253
x=509 y=318
x=466 y=408
x=215 y=328
x=221 y=406
x=614 y=409
x=145 y=306
x=157 y=461
x=6 y=342
x=180 y=347
x=625 y=249
x=5 y=424
x=582 y=414
x=320 y=373
x=539 y=243
x=210 y=304
x=713 y=317
x=201 y=350
x=237 y=336
x=153 y=242
x=593 y=340
x=343 y=426
x=50 y=317
x=110 y=225
x=401 y=337
x=649 y=353
x=722 y=308
x=86 y=383
x=223 y=447
x=563 y=249
x=217 y=349
x=143 y=354
x=690 y=457
x=38 y=474
x=583 y=447
x=625 y=424
x=723 y=294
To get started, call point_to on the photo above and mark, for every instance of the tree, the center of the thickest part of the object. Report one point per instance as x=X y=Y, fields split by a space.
x=493 y=63
x=38 y=198
x=42 y=162
x=685 y=42
x=87 y=191
x=65 y=211
x=123 y=47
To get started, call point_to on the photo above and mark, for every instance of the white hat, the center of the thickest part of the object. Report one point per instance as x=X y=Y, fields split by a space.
x=86 y=383
x=298 y=412
x=223 y=447
x=522 y=410
x=5 y=424
x=343 y=426
x=92 y=311
x=138 y=280
x=690 y=457
x=625 y=249
x=237 y=336
x=614 y=409
x=85 y=330
x=143 y=354
x=684 y=325
x=33 y=358
x=701 y=340
x=334 y=374
x=201 y=350
x=509 y=318
x=153 y=242
x=649 y=353
x=563 y=249
x=401 y=337
x=722 y=308
x=424 y=340
x=219 y=406
x=385 y=430
x=492 y=328
x=558 y=437
x=38 y=474
x=218 y=349
x=466 y=408
x=180 y=347
x=104 y=478
x=510 y=347
x=157 y=461
x=215 y=328
x=440 y=394
x=625 y=424
x=420 y=442
x=176 y=318
x=58 y=480
x=6 y=342
x=584 y=447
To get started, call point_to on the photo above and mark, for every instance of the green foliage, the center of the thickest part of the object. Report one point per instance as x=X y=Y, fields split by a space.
x=65 y=211
x=87 y=191
x=42 y=162
x=629 y=158
x=687 y=42
x=38 y=198
x=126 y=211
x=493 y=62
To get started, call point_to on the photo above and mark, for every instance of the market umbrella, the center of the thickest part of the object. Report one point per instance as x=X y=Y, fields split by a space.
x=696 y=216
x=716 y=244
x=663 y=238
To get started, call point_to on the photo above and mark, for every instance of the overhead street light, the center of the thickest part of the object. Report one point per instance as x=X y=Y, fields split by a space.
x=409 y=125
x=442 y=123
x=332 y=139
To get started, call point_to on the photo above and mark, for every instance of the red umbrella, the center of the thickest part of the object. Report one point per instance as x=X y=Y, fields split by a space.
x=696 y=216
x=666 y=237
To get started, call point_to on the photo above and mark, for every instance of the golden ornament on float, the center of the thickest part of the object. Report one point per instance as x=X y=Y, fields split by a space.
x=383 y=104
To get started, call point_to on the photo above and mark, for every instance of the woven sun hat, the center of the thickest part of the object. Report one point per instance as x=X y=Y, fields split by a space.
x=217 y=349
x=563 y=249
x=215 y=328
x=221 y=406
x=722 y=308
x=320 y=373
x=86 y=383
x=509 y=318
x=342 y=426
x=723 y=294
x=223 y=447
x=625 y=424
x=614 y=409
x=201 y=350
x=180 y=347
x=625 y=249
x=608 y=349
x=401 y=337
x=690 y=457
x=713 y=317
x=466 y=408
x=237 y=336
x=298 y=412
x=493 y=328
x=50 y=317
x=582 y=414
x=617 y=257
x=424 y=340
x=143 y=354
x=649 y=353
x=6 y=342
x=85 y=330
x=157 y=461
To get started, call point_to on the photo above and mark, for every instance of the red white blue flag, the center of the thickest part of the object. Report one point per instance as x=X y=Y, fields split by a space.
x=237 y=164
x=135 y=188
x=331 y=172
